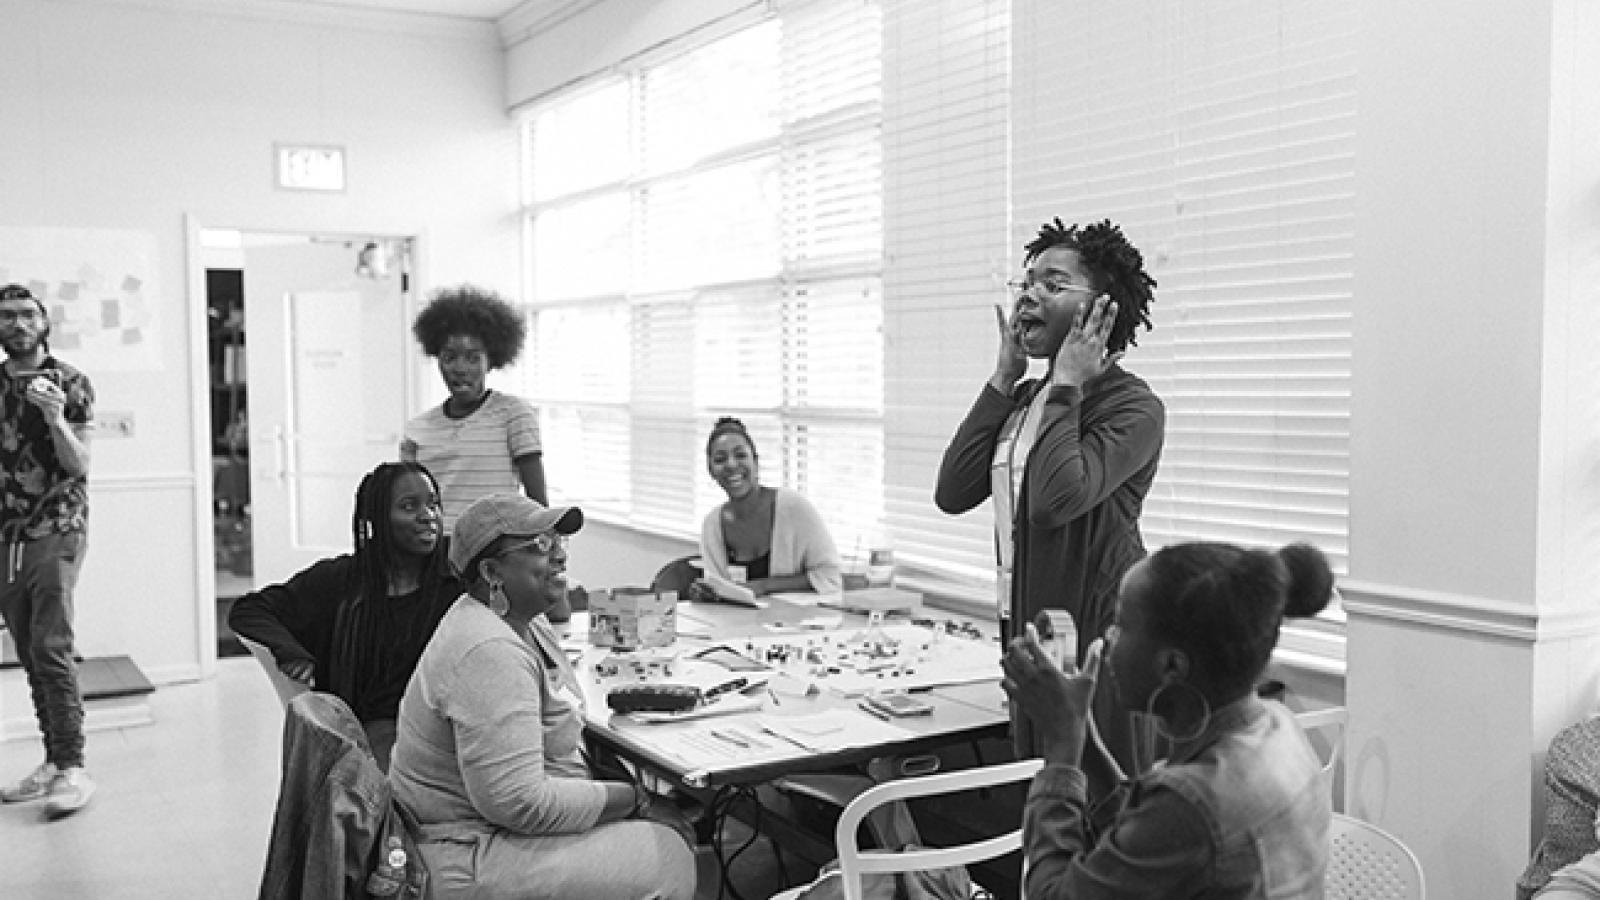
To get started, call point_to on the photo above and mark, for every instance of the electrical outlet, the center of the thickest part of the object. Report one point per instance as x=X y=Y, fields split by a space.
x=114 y=424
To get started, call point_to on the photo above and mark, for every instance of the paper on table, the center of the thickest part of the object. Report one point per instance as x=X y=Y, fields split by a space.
x=721 y=746
x=797 y=598
x=834 y=729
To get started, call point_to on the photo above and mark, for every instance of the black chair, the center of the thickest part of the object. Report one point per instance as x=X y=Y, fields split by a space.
x=677 y=575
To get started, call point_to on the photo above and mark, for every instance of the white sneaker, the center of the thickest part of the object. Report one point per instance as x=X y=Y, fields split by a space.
x=69 y=793
x=35 y=785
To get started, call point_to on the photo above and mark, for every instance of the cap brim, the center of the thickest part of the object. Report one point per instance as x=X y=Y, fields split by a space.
x=571 y=519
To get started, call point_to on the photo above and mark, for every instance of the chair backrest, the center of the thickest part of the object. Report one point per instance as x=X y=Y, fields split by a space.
x=1367 y=863
x=1331 y=720
x=855 y=862
x=676 y=575
x=287 y=687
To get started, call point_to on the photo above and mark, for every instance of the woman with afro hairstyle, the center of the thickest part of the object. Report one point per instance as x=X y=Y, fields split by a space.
x=355 y=625
x=1067 y=458
x=1240 y=809
x=478 y=441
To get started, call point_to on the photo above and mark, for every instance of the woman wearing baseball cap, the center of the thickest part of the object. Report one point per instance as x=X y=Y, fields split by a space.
x=487 y=755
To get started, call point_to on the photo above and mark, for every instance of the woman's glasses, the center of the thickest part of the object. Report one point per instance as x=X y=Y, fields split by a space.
x=1052 y=286
x=543 y=543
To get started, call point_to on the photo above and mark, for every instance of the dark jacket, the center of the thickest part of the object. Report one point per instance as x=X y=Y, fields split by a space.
x=1076 y=529
x=337 y=831
x=304 y=618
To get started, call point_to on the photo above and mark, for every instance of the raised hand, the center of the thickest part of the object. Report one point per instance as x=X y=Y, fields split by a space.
x=1011 y=362
x=1056 y=702
x=1083 y=351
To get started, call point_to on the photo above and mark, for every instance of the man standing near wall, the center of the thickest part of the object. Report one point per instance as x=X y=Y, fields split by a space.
x=46 y=413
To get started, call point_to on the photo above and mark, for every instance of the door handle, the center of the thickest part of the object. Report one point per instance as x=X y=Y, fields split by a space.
x=280 y=453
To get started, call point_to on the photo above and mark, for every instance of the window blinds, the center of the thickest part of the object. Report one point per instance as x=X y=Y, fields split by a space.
x=946 y=70
x=725 y=260
x=1220 y=135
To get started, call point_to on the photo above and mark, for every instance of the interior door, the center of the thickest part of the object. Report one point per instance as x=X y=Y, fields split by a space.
x=326 y=364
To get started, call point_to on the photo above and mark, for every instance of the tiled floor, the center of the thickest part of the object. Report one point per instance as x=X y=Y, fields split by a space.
x=185 y=805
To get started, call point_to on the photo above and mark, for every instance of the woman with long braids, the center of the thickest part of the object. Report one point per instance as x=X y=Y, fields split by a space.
x=355 y=624
x=1067 y=458
x=1240 y=808
x=478 y=441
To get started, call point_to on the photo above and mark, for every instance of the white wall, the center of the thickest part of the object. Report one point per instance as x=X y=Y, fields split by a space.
x=1476 y=421
x=130 y=117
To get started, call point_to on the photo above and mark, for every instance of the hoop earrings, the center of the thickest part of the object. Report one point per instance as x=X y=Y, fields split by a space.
x=1163 y=719
x=499 y=604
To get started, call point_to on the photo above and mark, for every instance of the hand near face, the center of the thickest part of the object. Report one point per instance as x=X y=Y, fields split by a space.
x=47 y=397
x=1011 y=361
x=1083 y=351
x=1056 y=703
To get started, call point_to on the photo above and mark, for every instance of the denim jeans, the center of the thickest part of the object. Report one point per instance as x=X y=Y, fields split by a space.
x=36 y=600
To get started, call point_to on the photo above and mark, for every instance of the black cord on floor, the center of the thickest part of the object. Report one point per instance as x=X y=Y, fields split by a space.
x=721 y=807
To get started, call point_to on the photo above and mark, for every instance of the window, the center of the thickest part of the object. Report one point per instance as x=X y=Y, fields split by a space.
x=813 y=243
x=705 y=239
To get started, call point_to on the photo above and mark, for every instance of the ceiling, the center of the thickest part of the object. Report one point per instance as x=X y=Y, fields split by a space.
x=485 y=10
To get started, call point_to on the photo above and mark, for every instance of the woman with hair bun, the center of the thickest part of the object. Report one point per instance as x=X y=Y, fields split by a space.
x=1239 y=809
x=478 y=441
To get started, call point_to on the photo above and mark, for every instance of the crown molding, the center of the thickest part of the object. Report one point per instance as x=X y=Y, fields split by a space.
x=532 y=18
x=313 y=12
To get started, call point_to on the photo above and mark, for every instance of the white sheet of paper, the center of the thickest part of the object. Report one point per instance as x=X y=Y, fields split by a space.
x=834 y=729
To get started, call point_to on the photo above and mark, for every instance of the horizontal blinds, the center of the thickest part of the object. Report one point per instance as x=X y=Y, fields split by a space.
x=946 y=66
x=1220 y=136
x=710 y=99
x=581 y=243
x=832 y=184
x=562 y=141
x=729 y=266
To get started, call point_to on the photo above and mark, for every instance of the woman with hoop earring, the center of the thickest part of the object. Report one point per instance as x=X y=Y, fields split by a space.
x=1238 y=808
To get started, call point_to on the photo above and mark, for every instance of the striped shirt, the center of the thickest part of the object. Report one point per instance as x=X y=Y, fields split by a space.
x=475 y=456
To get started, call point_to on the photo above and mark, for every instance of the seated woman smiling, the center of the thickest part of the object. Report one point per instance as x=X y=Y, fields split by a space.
x=774 y=534
x=1239 y=809
x=354 y=625
x=488 y=751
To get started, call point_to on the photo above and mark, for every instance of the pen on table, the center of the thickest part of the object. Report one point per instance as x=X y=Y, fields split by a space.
x=730 y=739
x=872 y=712
x=774 y=697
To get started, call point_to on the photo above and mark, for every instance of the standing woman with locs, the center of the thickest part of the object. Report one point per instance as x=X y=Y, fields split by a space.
x=1067 y=458
x=478 y=441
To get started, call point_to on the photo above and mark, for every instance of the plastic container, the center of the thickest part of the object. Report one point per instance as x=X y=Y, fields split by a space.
x=880 y=568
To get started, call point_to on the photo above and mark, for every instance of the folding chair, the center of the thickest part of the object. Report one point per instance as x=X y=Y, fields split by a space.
x=855 y=862
x=287 y=687
x=1331 y=720
x=1367 y=863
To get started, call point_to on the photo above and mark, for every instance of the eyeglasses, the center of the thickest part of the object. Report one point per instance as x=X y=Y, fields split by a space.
x=18 y=315
x=543 y=543
x=1052 y=286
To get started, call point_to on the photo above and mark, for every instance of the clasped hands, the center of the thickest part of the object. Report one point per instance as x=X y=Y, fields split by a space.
x=1056 y=702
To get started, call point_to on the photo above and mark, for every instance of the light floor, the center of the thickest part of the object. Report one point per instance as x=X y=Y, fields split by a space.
x=184 y=806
